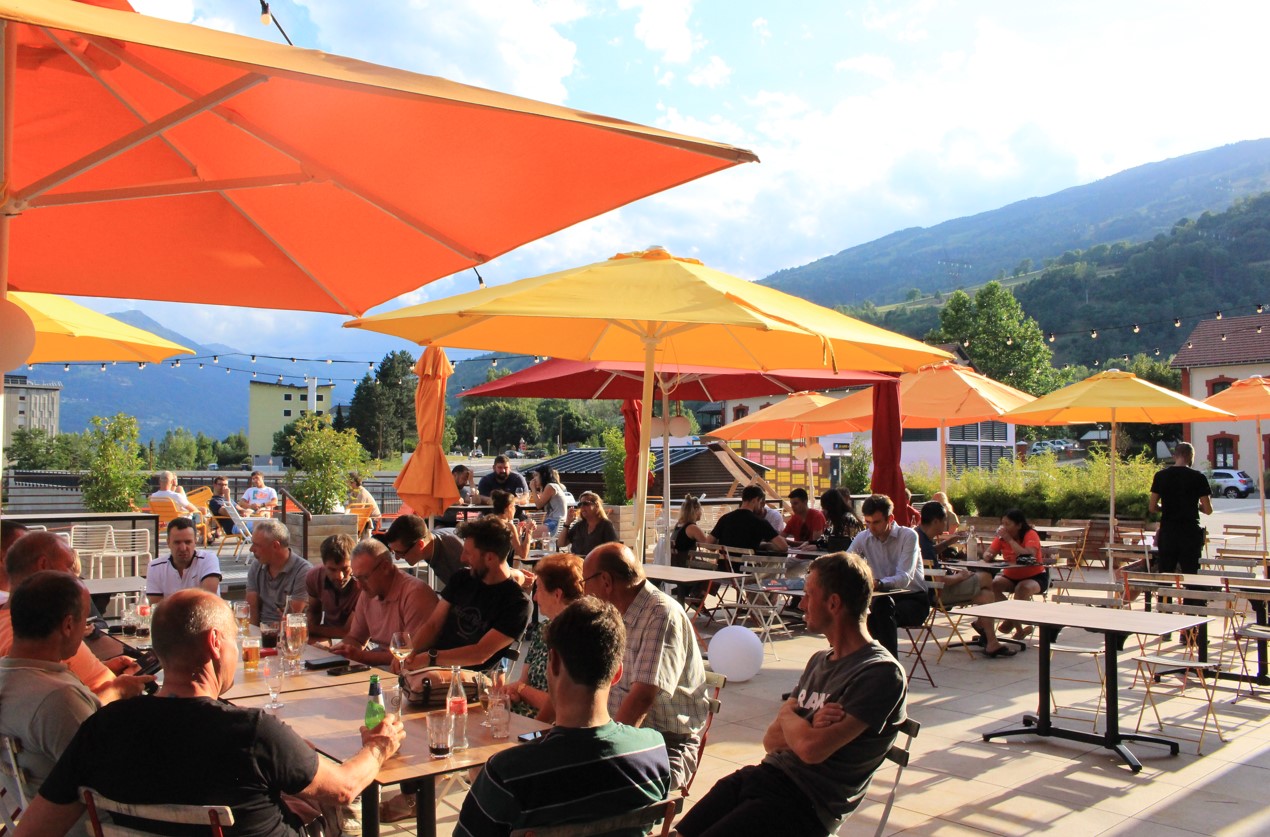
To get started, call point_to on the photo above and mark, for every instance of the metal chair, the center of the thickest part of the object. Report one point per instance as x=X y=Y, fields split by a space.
x=215 y=817
x=714 y=687
x=1090 y=594
x=755 y=601
x=90 y=540
x=899 y=754
x=129 y=545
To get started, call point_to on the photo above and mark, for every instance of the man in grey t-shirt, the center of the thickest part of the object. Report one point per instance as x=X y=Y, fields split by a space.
x=276 y=573
x=832 y=733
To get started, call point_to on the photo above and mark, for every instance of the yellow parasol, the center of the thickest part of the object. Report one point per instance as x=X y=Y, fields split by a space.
x=66 y=332
x=648 y=306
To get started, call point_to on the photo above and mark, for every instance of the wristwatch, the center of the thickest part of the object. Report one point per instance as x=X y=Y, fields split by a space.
x=432 y=657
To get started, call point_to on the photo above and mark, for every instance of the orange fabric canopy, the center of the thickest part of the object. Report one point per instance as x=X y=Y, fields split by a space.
x=425 y=483
x=159 y=160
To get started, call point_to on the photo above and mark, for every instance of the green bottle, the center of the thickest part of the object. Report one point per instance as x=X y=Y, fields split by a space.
x=375 y=710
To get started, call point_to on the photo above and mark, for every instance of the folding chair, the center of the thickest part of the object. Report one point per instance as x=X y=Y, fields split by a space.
x=714 y=687
x=1090 y=594
x=754 y=599
x=918 y=636
x=215 y=817
x=1152 y=668
x=939 y=611
x=241 y=534
x=18 y=779
x=1248 y=633
x=642 y=818
x=167 y=511
x=899 y=754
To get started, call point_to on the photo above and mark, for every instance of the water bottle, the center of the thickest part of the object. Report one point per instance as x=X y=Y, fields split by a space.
x=375 y=710
x=972 y=546
x=456 y=708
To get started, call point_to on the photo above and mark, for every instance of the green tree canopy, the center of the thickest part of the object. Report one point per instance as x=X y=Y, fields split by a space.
x=382 y=410
x=322 y=456
x=115 y=479
x=232 y=451
x=30 y=449
x=177 y=451
x=1002 y=342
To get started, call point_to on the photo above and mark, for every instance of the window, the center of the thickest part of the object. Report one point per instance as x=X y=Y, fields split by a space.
x=920 y=434
x=304 y=396
x=1223 y=452
x=740 y=411
x=321 y=397
x=993 y=431
x=286 y=396
x=304 y=412
x=964 y=433
x=286 y=413
x=319 y=412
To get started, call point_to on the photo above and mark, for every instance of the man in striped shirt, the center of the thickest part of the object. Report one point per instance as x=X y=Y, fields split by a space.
x=587 y=766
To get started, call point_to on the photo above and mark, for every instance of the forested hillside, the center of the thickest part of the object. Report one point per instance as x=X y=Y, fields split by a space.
x=1133 y=206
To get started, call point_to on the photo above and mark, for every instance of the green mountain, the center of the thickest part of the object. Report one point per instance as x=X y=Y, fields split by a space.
x=1133 y=206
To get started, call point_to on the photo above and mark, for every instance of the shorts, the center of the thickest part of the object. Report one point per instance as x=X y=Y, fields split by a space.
x=1042 y=579
x=963 y=592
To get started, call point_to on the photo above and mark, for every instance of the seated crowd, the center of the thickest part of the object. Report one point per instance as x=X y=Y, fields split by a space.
x=609 y=658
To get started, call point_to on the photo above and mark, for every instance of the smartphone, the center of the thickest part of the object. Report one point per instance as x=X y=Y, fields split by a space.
x=530 y=736
x=325 y=662
x=351 y=668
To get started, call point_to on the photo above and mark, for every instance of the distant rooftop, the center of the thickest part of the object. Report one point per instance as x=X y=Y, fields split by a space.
x=1230 y=340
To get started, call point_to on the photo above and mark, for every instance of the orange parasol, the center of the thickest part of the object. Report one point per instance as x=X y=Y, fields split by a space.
x=425 y=483
x=1249 y=399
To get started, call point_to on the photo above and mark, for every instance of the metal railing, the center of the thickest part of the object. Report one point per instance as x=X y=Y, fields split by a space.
x=305 y=517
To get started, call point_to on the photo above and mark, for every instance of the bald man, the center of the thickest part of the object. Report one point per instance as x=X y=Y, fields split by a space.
x=663 y=683
x=198 y=749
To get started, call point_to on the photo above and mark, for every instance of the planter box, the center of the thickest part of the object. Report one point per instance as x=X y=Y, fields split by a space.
x=321 y=527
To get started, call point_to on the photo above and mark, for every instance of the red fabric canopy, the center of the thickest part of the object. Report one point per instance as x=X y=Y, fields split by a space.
x=630 y=412
x=888 y=478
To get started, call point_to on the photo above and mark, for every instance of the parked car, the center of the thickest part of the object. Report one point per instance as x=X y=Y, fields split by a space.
x=1228 y=482
x=512 y=453
x=1043 y=446
x=476 y=453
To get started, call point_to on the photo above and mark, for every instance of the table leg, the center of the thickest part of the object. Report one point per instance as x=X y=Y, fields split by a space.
x=425 y=791
x=370 y=810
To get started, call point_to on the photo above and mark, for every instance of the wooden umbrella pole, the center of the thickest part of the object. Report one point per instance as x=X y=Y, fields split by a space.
x=665 y=456
x=1261 y=483
x=645 y=419
x=1111 y=522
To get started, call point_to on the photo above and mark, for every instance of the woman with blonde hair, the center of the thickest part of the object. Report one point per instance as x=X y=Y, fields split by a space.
x=687 y=534
x=559 y=583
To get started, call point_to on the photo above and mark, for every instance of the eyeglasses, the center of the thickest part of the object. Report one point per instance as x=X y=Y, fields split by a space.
x=401 y=554
x=586 y=503
x=593 y=576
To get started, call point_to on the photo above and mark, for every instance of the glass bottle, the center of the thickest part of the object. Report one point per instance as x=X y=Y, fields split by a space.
x=375 y=710
x=456 y=707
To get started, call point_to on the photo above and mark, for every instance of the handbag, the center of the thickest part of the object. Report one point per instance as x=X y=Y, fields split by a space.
x=430 y=686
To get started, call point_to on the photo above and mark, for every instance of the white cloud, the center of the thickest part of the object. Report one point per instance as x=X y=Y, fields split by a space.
x=665 y=78
x=876 y=66
x=762 y=29
x=712 y=74
x=662 y=26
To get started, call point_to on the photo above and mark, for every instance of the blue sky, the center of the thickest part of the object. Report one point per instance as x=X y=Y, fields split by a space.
x=869 y=117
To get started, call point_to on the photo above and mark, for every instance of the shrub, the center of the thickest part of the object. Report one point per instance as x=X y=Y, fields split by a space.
x=614 y=444
x=114 y=480
x=856 y=470
x=323 y=457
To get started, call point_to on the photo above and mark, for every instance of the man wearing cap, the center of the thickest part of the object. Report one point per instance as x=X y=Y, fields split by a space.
x=805 y=524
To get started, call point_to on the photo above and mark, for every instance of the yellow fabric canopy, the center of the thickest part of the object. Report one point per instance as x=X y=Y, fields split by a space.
x=66 y=332
x=779 y=421
x=1113 y=396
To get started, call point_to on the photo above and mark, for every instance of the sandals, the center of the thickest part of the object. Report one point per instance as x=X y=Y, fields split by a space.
x=1023 y=632
x=1001 y=651
x=1006 y=627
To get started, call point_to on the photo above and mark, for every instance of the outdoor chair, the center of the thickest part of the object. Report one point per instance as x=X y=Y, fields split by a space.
x=1233 y=562
x=167 y=511
x=755 y=601
x=1089 y=594
x=1081 y=538
x=90 y=540
x=14 y=804
x=131 y=545
x=365 y=513
x=714 y=688
x=215 y=817
x=918 y=636
x=952 y=619
x=1242 y=530
x=241 y=534
x=1153 y=668
x=1248 y=590
x=642 y=818
x=200 y=496
x=899 y=754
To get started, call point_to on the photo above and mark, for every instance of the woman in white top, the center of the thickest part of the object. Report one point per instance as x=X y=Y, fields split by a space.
x=548 y=494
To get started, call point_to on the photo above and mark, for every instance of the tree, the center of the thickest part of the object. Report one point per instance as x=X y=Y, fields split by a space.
x=282 y=442
x=614 y=443
x=339 y=422
x=366 y=415
x=1002 y=342
x=115 y=479
x=177 y=451
x=205 y=450
x=31 y=449
x=382 y=410
x=71 y=451
x=233 y=450
x=513 y=420
x=323 y=457
x=561 y=417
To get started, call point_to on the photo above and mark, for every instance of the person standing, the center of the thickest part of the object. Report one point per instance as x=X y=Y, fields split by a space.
x=1179 y=493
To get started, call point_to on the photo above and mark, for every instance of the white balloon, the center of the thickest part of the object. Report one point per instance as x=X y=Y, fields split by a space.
x=680 y=426
x=736 y=653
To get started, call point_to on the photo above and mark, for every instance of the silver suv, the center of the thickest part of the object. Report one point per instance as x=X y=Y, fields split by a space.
x=1231 y=483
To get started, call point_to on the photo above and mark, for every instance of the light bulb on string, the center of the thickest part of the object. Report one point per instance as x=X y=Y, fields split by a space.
x=293 y=360
x=1052 y=337
x=1093 y=334
x=1177 y=322
x=279 y=379
x=103 y=367
x=1260 y=308
x=177 y=364
x=228 y=370
x=66 y=367
x=328 y=361
x=253 y=358
x=1219 y=315
x=1223 y=337
x=493 y=361
x=1136 y=329
x=215 y=358
x=200 y=366
x=1009 y=341
x=370 y=366
x=141 y=365
x=1157 y=351
x=266 y=19
x=966 y=343
x=1189 y=344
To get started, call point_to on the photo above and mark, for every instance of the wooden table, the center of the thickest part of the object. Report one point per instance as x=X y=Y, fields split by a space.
x=1114 y=625
x=251 y=684
x=1059 y=530
x=329 y=719
x=111 y=586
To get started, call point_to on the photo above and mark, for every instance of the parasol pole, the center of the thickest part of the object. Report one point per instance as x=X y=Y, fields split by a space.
x=1261 y=483
x=665 y=455
x=1111 y=522
x=645 y=419
x=943 y=457
x=8 y=68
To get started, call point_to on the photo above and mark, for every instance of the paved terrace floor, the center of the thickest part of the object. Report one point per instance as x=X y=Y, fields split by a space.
x=958 y=785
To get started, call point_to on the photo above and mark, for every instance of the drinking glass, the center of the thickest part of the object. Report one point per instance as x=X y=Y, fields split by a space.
x=143 y=625
x=296 y=637
x=242 y=614
x=397 y=698
x=273 y=671
x=440 y=734
x=500 y=715
x=269 y=632
x=251 y=654
x=130 y=621
x=483 y=694
x=400 y=647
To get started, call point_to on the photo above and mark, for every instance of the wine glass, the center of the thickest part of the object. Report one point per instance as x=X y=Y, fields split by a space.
x=483 y=686
x=242 y=614
x=400 y=647
x=272 y=671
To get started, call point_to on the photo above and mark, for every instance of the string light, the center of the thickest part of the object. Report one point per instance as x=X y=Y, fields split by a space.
x=253 y=358
x=200 y=366
x=480 y=282
x=1157 y=351
x=215 y=358
x=103 y=367
x=141 y=365
x=1177 y=322
x=1136 y=329
x=1219 y=315
x=966 y=342
x=493 y=361
x=1260 y=308
x=1190 y=345
x=66 y=367
x=1052 y=337
x=177 y=363
x=1009 y=341
x=1223 y=337
x=1093 y=334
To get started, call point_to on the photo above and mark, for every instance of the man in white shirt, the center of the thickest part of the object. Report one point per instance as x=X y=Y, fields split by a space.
x=259 y=499
x=170 y=490
x=184 y=567
x=896 y=561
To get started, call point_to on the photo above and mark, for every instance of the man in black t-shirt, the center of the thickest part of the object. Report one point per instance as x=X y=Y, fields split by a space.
x=745 y=528
x=482 y=609
x=1179 y=493
x=195 y=749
